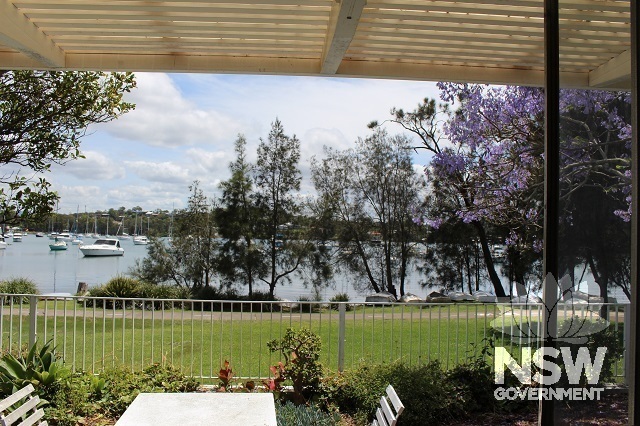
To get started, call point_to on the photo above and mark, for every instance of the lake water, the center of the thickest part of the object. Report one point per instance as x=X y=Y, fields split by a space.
x=61 y=271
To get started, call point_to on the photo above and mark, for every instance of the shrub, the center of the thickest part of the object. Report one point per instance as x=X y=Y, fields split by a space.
x=123 y=385
x=101 y=399
x=18 y=286
x=301 y=351
x=78 y=396
x=230 y=300
x=597 y=333
x=340 y=297
x=430 y=394
x=121 y=286
x=117 y=287
x=291 y=414
x=126 y=287
x=307 y=305
x=423 y=389
x=160 y=291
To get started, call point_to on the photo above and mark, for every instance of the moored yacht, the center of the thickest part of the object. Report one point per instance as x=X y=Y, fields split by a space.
x=64 y=236
x=140 y=240
x=103 y=247
x=58 y=245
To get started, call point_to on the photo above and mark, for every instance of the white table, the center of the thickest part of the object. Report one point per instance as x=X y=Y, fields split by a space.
x=199 y=409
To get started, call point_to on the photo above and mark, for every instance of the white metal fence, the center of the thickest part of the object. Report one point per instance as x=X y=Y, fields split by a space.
x=198 y=336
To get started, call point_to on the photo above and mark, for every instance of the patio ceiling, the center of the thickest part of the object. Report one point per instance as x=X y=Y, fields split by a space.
x=492 y=41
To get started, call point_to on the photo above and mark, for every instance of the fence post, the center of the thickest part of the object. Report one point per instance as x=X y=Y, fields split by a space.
x=627 y=340
x=342 y=311
x=33 y=311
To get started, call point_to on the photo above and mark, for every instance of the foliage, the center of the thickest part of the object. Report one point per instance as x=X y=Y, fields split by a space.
x=190 y=257
x=215 y=299
x=430 y=394
x=127 y=287
x=77 y=396
x=340 y=298
x=371 y=192
x=579 y=332
x=18 y=286
x=486 y=170
x=301 y=351
x=83 y=396
x=41 y=368
x=609 y=338
x=240 y=256
x=117 y=287
x=277 y=178
x=161 y=291
x=43 y=117
x=123 y=385
x=225 y=375
x=289 y=414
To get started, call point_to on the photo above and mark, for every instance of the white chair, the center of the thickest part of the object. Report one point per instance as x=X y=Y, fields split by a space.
x=385 y=415
x=28 y=408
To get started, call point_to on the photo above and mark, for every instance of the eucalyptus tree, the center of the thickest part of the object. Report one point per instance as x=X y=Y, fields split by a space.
x=372 y=192
x=240 y=256
x=277 y=180
x=190 y=257
x=43 y=117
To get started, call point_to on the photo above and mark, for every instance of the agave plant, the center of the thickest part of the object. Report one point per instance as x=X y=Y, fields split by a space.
x=40 y=368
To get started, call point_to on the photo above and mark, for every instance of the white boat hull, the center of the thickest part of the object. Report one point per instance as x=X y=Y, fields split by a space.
x=140 y=241
x=93 y=252
x=103 y=247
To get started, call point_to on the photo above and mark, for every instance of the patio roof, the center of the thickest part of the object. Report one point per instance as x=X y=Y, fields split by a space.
x=491 y=41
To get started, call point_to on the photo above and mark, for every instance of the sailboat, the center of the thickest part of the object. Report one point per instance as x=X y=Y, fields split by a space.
x=140 y=240
x=122 y=236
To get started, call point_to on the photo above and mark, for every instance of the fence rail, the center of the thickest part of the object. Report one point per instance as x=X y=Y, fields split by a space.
x=199 y=335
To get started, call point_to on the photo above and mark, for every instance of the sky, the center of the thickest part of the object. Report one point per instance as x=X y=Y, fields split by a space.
x=184 y=126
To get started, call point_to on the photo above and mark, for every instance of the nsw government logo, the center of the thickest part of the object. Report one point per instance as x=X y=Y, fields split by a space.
x=568 y=370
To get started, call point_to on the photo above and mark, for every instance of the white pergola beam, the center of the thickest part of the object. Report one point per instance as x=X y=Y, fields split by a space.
x=17 y=32
x=615 y=72
x=345 y=15
x=192 y=63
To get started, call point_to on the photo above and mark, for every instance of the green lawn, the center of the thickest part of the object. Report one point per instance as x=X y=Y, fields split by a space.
x=199 y=341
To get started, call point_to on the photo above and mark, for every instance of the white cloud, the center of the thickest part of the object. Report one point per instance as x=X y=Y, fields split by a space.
x=149 y=197
x=304 y=103
x=93 y=197
x=210 y=162
x=165 y=118
x=165 y=172
x=184 y=127
x=95 y=166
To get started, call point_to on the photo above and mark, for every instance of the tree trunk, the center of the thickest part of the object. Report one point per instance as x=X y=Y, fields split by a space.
x=389 y=274
x=488 y=260
x=249 y=268
x=367 y=269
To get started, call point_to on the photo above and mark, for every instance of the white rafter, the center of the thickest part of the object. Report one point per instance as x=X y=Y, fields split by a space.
x=345 y=16
x=18 y=32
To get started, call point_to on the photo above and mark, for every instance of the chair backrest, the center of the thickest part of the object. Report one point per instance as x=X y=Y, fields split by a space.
x=385 y=416
x=25 y=406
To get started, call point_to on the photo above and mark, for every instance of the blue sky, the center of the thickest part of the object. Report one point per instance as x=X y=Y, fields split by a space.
x=184 y=126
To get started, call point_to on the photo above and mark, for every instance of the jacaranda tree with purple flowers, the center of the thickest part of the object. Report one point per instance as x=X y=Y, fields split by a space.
x=487 y=168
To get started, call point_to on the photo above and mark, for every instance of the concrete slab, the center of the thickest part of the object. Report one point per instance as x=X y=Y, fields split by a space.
x=199 y=409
